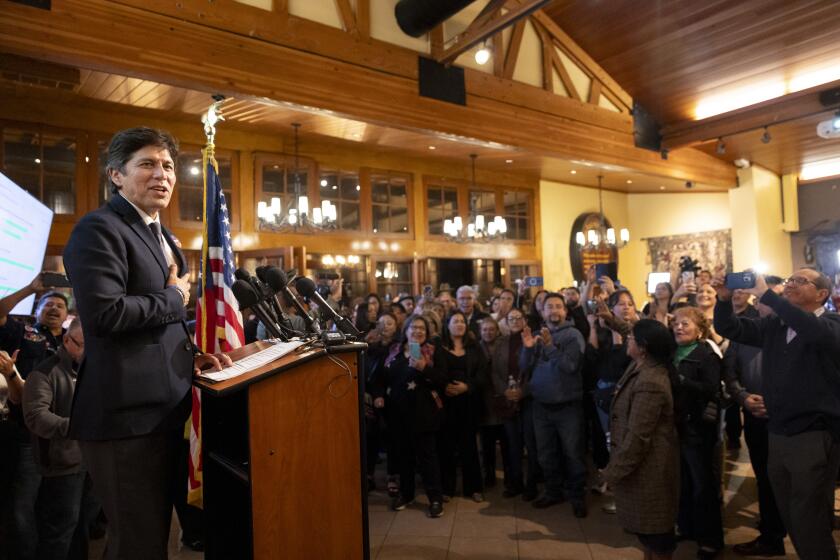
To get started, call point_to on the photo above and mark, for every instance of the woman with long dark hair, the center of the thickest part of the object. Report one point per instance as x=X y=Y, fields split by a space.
x=659 y=306
x=644 y=460
x=415 y=379
x=379 y=341
x=465 y=369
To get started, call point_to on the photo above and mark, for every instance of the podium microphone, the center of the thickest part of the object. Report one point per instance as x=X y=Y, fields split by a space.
x=269 y=296
x=247 y=296
x=278 y=282
x=306 y=288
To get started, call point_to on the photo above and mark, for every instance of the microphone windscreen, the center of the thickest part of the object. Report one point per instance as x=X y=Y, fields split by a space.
x=242 y=274
x=261 y=272
x=305 y=286
x=275 y=278
x=244 y=293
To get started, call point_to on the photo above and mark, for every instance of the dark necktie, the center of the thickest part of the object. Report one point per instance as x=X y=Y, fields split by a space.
x=155 y=227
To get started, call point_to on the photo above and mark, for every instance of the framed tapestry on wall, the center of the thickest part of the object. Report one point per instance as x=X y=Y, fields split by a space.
x=711 y=249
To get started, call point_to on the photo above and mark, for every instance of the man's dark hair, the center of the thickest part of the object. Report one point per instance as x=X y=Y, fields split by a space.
x=573 y=288
x=823 y=282
x=52 y=294
x=402 y=299
x=773 y=280
x=508 y=291
x=126 y=143
x=557 y=295
x=399 y=306
x=656 y=339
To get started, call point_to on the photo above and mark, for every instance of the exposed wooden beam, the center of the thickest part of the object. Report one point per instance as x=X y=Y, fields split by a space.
x=38 y=71
x=789 y=107
x=281 y=6
x=214 y=60
x=595 y=92
x=498 y=55
x=436 y=40
x=348 y=19
x=587 y=63
x=554 y=61
x=363 y=18
x=512 y=54
x=487 y=23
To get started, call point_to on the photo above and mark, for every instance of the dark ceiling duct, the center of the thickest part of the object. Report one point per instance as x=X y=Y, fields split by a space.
x=416 y=17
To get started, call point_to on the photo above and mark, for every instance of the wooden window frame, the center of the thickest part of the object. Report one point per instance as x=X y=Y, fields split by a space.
x=365 y=210
x=288 y=161
x=233 y=205
x=367 y=189
x=460 y=196
x=531 y=214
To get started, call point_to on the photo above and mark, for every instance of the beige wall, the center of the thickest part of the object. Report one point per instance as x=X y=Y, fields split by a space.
x=646 y=215
x=758 y=237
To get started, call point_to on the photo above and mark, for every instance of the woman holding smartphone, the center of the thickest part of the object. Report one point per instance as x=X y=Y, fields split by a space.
x=415 y=379
x=466 y=367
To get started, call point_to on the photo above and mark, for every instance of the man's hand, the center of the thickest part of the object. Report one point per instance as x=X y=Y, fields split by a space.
x=545 y=335
x=528 y=338
x=37 y=285
x=211 y=362
x=759 y=288
x=755 y=404
x=513 y=395
x=723 y=293
x=456 y=388
x=7 y=363
x=181 y=283
x=606 y=284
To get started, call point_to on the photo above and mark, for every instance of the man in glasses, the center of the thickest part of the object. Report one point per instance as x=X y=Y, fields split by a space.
x=47 y=400
x=800 y=398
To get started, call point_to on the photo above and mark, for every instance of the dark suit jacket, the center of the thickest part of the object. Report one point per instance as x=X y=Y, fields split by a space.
x=137 y=368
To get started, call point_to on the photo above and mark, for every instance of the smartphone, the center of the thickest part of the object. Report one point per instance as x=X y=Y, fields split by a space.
x=427 y=289
x=740 y=280
x=687 y=276
x=533 y=281
x=591 y=306
x=414 y=350
x=54 y=280
x=607 y=269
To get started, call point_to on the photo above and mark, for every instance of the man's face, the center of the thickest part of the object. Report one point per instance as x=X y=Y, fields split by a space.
x=149 y=179
x=489 y=332
x=704 y=277
x=505 y=302
x=572 y=297
x=74 y=343
x=466 y=302
x=399 y=314
x=740 y=299
x=554 y=310
x=516 y=321
x=801 y=291
x=52 y=312
x=408 y=304
x=446 y=300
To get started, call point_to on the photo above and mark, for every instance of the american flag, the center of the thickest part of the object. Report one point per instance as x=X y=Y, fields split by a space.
x=218 y=323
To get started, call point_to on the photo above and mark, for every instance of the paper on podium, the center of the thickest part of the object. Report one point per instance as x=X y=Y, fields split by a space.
x=277 y=350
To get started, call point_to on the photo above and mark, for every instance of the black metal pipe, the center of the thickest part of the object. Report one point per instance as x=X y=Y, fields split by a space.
x=416 y=17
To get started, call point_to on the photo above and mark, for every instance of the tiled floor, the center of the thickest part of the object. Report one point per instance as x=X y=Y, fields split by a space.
x=502 y=529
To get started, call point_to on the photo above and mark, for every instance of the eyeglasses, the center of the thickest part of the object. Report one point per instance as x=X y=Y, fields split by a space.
x=799 y=281
x=516 y=318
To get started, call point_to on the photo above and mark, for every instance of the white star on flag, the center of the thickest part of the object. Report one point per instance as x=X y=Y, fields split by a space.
x=412 y=385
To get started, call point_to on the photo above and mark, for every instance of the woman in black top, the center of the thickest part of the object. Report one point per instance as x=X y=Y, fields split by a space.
x=379 y=342
x=466 y=368
x=696 y=402
x=414 y=378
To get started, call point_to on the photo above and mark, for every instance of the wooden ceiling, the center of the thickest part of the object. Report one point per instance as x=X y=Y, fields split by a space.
x=671 y=55
x=110 y=91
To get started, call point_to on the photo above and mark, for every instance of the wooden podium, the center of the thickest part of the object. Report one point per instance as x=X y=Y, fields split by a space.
x=283 y=456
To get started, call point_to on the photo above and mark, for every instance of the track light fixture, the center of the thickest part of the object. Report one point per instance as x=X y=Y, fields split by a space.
x=721 y=147
x=765 y=138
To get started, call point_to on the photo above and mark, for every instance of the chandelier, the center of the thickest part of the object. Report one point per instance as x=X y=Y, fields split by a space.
x=478 y=228
x=299 y=216
x=601 y=237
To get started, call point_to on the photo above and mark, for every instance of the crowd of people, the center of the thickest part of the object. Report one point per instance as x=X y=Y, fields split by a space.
x=650 y=397
x=554 y=381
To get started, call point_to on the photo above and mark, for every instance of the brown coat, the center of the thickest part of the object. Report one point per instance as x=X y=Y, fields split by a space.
x=644 y=468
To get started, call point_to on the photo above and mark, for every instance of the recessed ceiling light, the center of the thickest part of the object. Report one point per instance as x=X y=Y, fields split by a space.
x=432 y=147
x=629 y=182
x=508 y=161
x=324 y=182
x=661 y=187
x=573 y=172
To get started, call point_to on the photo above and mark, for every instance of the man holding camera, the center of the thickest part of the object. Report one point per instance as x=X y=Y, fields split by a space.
x=800 y=397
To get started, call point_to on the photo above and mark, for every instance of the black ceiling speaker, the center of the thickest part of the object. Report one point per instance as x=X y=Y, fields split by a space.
x=441 y=82
x=416 y=17
x=646 y=130
x=830 y=97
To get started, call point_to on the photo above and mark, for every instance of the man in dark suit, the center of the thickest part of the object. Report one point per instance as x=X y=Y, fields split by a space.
x=466 y=303
x=133 y=390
